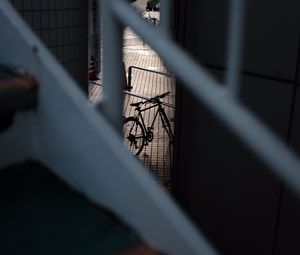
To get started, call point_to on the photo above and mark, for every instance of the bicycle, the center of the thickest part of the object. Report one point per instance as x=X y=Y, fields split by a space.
x=136 y=133
x=152 y=20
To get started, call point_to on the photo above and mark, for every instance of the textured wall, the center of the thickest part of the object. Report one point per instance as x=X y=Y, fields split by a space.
x=63 y=26
x=230 y=194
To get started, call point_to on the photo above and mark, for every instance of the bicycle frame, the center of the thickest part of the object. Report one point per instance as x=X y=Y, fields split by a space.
x=153 y=20
x=163 y=117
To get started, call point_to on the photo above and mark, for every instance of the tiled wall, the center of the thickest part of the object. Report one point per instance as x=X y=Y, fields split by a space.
x=230 y=194
x=63 y=27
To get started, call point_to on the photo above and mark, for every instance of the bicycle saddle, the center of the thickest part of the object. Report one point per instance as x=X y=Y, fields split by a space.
x=136 y=104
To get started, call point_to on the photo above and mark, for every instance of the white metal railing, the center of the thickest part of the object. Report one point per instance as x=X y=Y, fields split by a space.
x=235 y=44
x=78 y=143
x=221 y=100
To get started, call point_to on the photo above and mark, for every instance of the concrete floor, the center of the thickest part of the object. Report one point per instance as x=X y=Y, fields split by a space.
x=140 y=5
x=157 y=156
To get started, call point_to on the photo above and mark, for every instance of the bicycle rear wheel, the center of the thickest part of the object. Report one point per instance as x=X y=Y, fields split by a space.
x=133 y=135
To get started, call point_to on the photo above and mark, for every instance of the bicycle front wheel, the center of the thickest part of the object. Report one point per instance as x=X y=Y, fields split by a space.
x=133 y=135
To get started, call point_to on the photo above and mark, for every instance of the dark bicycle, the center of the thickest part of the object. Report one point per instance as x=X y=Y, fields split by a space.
x=136 y=133
x=152 y=20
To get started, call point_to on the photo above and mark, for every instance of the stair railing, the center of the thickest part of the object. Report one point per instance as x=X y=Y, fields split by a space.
x=82 y=145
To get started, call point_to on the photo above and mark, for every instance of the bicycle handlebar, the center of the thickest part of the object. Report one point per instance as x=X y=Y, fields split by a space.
x=151 y=100
x=164 y=94
x=156 y=98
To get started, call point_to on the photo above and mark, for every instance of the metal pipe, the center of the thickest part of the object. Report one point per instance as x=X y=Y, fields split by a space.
x=130 y=77
x=151 y=71
x=235 y=43
x=112 y=102
x=165 y=13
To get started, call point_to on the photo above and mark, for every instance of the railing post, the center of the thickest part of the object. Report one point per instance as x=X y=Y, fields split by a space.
x=129 y=76
x=165 y=13
x=235 y=45
x=112 y=101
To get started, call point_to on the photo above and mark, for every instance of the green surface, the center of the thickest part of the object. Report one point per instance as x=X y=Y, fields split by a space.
x=39 y=214
x=7 y=71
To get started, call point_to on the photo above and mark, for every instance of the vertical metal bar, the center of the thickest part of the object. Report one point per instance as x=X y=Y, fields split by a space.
x=235 y=43
x=91 y=29
x=112 y=101
x=97 y=38
x=129 y=76
x=165 y=16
